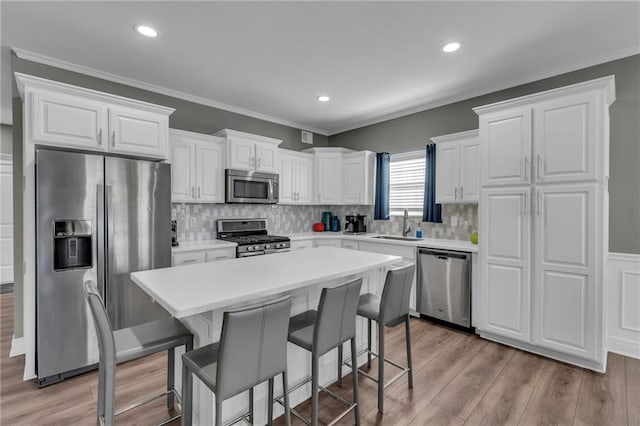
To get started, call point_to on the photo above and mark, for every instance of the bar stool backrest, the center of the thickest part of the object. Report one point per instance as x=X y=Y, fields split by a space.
x=336 y=318
x=106 y=342
x=253 y=346
x=394 y=304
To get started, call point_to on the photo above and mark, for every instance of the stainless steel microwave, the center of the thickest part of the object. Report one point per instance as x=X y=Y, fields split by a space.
x=251 y=187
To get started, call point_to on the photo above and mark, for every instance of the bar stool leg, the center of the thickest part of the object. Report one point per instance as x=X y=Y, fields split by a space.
x=109 y=393
x=340 y=365
x=380 y=368
x=101 y=390
x=368 y=343
x=171 y=362
x=270 y=403
x=219 y=412
x=354 y=378
x=314 y=389
x=250 y=405
x=187 y=392
x=285 y=389
x=408 y=338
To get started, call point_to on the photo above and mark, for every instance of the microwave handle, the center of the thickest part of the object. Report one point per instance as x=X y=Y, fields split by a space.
x=271 y=189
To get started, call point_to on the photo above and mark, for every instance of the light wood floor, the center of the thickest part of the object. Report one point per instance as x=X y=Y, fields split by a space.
x=459 y=379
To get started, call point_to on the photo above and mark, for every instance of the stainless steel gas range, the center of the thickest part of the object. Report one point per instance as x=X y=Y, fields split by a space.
x=251 y=236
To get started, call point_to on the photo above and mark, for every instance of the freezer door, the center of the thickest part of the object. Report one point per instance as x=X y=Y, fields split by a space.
x=138 y=224
x=68 y=196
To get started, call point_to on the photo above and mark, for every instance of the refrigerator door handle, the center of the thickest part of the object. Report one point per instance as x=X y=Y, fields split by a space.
x=100 y=241
x=109 y=240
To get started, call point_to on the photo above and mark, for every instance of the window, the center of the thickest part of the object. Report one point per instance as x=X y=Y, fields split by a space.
x=406 y=183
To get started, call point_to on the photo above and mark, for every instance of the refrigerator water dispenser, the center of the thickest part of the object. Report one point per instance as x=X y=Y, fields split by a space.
x=72 y=244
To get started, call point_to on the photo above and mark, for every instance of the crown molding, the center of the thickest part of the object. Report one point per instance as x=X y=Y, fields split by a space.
x=81 y=69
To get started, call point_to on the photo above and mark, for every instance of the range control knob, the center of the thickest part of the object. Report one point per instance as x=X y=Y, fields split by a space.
x=256 y=247
x=279 y=245
x=267 y=246
x=249 y=248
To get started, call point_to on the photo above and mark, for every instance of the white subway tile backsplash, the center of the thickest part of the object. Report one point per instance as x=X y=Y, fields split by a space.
x=285 y=219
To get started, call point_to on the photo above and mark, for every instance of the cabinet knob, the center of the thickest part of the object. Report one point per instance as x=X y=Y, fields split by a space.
x=113 y=138
x=461 y=196
x=455 y=193
x=100 y=137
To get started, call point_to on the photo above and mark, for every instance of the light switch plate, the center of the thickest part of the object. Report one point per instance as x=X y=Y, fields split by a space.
x=193 y=221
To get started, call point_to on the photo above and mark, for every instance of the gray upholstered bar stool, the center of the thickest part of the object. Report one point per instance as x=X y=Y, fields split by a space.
x=323 y=330
x=128 y=344
x=390 y=310
x=252 y=349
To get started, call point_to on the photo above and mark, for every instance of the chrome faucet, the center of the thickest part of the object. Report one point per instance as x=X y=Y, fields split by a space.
x=405 y=228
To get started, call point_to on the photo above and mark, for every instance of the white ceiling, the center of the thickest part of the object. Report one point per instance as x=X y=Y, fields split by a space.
x=376 y=60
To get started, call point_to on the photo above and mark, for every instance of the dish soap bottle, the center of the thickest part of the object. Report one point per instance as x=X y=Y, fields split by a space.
x=419 y=232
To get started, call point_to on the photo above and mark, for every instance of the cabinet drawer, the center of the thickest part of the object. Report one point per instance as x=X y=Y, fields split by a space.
x=406 y=252
x=220 y=254
x=353 y=245
x=188 y=258
x=298 y=245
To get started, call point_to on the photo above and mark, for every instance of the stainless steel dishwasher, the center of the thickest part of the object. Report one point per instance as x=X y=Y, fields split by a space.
x=444 y=286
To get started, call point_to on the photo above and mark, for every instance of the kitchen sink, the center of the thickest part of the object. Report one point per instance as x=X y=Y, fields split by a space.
x=398 y=238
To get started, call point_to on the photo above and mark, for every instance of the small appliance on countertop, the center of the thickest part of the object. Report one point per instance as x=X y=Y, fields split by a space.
x=355 y=224
x=251 y=236
x=174 y=233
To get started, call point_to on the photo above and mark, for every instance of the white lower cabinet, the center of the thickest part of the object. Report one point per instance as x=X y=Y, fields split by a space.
x=302 y=244
x=329 y=242
x=408 y=253
x=350 y=244
x=202 y=256
x=504 y=260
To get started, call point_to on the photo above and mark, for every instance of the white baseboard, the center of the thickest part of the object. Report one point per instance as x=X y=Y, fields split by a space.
x=18 y=346
x=624 y=347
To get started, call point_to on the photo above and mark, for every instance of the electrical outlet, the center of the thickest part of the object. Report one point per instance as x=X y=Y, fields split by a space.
x=454 y=221
x=193 y=222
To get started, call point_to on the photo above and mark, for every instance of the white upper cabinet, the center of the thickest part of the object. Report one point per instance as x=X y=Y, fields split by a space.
x=358 y=177
x=565 y=139
x=72 y=117
x=506 y=147
x=137 y=132
x=296 y=177
x=457 y=168
x=69 y=121
x=250 y=152
x=197 y=167
x=329 y=178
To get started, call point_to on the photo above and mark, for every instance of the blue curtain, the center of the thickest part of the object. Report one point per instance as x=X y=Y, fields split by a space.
x=381 y=209
x=431 y=212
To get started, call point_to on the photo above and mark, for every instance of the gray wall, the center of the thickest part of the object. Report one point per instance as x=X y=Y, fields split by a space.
x=413 y=131
x=6 y=139
x=188 y=116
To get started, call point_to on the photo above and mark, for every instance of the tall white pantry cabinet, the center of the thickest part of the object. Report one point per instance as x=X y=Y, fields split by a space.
x=543 y=221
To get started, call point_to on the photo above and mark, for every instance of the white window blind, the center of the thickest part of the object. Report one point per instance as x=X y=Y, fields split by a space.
x=406 y=183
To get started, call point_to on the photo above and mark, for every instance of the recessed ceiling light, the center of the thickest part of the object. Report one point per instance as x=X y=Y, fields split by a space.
x=146 y=30
x=324 y=98
x=451 y=47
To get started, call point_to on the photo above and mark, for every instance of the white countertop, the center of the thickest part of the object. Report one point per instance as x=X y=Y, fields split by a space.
x=202 y=245
x=461 y=245
x=194 y=289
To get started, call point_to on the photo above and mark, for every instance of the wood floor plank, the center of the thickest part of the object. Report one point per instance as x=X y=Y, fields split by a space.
x=432 y=415
x=503 y=404
x=603 y=396
x=555 y=397
x=632 y=374
x=524 y=368
x=461 y=396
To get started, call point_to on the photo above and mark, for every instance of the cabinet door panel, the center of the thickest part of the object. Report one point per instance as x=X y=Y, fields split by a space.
x=506 y=147
x=565 y=139
x=266 y=158
x=329 y=178
x=69 y=121
x=182 y=171
x=447 y=172
x=287 y=178
x=505 y=227
x=470 y=171
x=241 y=154
x=210 y=172
x=305 y=181
x=138 y=132
x=565 y=270
x=353 y=180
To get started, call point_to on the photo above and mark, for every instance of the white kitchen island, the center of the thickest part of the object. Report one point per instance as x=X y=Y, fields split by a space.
x=199 y=294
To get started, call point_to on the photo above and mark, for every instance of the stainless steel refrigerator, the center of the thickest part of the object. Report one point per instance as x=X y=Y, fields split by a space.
x=98 y=218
